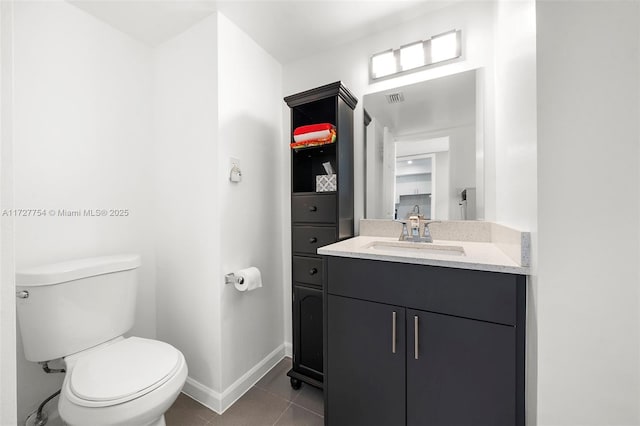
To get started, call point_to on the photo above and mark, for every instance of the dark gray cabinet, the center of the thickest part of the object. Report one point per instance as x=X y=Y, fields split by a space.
x=415 y=345
x=317 y=218
x=462 y=372
x=367 y=364
x=307 y=338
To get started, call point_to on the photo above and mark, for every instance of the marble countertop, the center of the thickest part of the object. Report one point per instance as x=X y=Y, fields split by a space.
x=480 y=256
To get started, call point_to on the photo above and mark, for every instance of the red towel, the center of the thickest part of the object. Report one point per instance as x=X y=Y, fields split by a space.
x=313 y=128
x=315 y=142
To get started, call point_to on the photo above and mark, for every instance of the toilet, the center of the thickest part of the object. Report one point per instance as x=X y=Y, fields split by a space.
x=78 y=312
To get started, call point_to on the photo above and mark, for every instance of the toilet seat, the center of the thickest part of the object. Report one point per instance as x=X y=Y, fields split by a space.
x=121 y=372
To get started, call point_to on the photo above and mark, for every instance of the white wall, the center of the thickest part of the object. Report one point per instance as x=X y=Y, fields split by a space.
x=8 y=397
x=516 y=151
x=218 y=95
x=82 y=123
x=515 y=114
x=250 y=99
x=349 y=64
x=588 y=153
x=187 y=200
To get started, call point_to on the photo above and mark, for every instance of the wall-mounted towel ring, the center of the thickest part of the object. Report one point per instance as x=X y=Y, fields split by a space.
x=236 y=174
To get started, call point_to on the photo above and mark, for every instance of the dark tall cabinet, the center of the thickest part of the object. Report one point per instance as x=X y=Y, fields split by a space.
x=317 y=218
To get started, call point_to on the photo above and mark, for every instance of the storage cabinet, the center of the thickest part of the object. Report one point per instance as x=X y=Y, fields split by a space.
x=317 y=218
x=412 y=344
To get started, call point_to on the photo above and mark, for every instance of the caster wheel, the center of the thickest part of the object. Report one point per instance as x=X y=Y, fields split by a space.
x=295 y=383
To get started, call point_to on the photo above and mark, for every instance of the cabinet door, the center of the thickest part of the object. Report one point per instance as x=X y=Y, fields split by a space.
x=307 y=331
x=464 y=374
x=367 y=382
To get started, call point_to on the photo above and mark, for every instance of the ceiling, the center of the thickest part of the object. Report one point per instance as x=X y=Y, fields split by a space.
x=288 y=30
x=428 y=106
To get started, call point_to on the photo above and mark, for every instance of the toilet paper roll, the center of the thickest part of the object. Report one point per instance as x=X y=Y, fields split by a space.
x=252 y=279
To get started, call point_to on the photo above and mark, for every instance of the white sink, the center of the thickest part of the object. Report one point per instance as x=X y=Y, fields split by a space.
x=409 y=248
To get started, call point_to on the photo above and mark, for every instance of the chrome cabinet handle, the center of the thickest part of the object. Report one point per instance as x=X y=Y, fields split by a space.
x=313 y=240
x=393 y=332
x=24 y=294
x=313 y=208
x=415 y=336
x=313 y=271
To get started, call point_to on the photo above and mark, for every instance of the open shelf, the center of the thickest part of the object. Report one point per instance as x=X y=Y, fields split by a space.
x=307 y=164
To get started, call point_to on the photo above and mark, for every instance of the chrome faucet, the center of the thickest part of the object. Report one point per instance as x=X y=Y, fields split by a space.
x=414 y=222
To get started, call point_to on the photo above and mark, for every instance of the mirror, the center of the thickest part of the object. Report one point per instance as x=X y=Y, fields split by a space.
x=422 y=150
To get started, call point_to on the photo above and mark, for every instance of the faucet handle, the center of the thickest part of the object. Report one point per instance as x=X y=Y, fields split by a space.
x=426 y=233
x=405 y=232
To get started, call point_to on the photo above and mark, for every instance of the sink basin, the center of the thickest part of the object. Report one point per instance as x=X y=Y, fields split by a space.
x=414 y=249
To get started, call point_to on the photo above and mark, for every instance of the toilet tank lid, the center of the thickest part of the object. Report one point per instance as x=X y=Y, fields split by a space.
x=56 y=273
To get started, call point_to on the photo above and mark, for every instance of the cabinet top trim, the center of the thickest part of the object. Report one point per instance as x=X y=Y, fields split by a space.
x=326 y=91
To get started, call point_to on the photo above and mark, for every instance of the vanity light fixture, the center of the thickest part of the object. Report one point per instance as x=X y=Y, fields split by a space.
x=414 y=56
x=383 y=64
x=445 y=46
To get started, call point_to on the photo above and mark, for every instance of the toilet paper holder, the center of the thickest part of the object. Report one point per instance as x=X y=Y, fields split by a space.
x=232 y=279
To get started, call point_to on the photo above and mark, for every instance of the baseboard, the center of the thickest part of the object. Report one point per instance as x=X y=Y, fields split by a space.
x=288 y=349
x=203 y=394
x=219 y=402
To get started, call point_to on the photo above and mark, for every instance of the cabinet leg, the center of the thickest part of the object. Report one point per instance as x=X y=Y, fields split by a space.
x=295 y=383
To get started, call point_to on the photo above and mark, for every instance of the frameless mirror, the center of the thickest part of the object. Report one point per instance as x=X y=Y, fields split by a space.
x=422 y=152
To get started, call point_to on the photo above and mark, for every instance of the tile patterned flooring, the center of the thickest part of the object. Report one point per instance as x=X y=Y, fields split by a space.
x=271 y=402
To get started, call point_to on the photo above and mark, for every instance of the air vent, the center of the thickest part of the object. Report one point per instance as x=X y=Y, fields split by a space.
x=395 y=98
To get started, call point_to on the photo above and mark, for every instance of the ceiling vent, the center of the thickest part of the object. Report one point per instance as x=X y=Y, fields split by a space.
x=395 y=98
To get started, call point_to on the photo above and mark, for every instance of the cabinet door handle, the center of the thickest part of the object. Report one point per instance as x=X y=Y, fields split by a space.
x=415 y=336
x=313 y=240
x=313 y=208
x=393 y=332
x=313 y=271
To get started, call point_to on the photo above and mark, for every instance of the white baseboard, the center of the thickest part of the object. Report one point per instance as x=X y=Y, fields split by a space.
x=219 y=402
x=288 y=349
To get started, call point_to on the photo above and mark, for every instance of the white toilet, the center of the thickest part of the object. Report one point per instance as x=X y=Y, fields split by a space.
x=79 y=311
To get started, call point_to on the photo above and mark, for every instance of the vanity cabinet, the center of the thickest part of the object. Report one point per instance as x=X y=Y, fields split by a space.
x=421 y=345
x=317 y=218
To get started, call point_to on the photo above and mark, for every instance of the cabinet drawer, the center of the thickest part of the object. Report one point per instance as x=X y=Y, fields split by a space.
x=307 y=239
x=314 y=208
x=307 y=270
x=488 y=296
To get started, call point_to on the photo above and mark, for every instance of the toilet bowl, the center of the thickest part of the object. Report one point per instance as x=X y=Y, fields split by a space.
x=78 y=311
x=124 y=382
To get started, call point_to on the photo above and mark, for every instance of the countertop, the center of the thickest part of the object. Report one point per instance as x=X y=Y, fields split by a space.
x=480 y=256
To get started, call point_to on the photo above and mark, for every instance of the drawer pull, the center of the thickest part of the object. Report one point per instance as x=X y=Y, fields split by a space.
x=313 y=208
x=393 y=332
x=313 y=240
x=415 y=337
x=313 y=271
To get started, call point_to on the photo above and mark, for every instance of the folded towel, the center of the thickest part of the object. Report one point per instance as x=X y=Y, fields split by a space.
x=321 y=134
x=315 y=142
x=313 y=128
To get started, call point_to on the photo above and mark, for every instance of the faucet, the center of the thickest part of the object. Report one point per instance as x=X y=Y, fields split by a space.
x=414 y=222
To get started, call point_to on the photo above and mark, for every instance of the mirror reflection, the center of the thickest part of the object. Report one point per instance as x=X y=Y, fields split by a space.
x=422 y=154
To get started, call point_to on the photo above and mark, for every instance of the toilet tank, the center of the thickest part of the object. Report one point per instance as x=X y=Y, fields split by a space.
x=64 y=308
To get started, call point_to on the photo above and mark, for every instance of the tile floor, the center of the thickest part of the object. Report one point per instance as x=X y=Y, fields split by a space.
x=271 y=402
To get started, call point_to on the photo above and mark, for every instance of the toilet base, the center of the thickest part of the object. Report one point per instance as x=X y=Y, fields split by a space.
x=159 y=422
